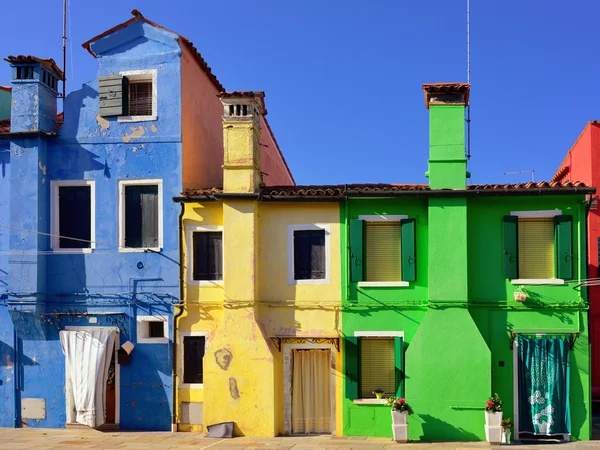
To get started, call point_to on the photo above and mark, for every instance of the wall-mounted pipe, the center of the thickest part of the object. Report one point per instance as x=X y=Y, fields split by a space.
x=17 y=377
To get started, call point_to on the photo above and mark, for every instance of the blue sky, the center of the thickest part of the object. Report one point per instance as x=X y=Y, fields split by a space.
x=343 y=78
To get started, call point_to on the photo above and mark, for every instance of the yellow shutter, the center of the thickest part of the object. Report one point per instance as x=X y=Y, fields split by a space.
x=383 y=251
x=377 y=367
x=536 y=248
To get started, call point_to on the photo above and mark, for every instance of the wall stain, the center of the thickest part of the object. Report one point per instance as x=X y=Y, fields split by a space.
x=233 y=389
x=223 y=358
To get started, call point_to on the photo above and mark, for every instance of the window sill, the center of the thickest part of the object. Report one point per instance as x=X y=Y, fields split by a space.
x=370 y=401
x=72 y=251
x=191 y=386
x=136 y=118
x=528 y=281
x=383 y=284
x=162 y=340
x=315 y=281
x=205 y=283
x=139 y=249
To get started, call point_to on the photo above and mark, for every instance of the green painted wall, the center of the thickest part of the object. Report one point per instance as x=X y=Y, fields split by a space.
x=447 y=162
x=5 y=98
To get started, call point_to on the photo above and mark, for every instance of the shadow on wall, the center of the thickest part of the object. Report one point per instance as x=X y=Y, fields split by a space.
x=438 y=430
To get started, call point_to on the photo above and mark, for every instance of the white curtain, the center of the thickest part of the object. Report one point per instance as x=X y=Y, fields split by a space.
x=311 y=391
x=87 y=354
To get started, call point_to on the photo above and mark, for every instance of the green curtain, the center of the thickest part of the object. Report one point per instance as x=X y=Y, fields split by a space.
x=544 y=385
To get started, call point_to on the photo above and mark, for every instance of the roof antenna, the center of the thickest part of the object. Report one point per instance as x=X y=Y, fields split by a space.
x=64 y=39
x=523 y=171
x=469 y=78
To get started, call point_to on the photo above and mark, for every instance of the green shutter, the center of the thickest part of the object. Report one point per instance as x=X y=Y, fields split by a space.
x=356 y=249
x=409 y=256
x=352 y=362
x=511 y=254
x=564 y=247
x=113 y=96
x=399 y=362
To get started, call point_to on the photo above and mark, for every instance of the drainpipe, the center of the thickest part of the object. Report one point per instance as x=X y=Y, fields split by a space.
x=16 y=374
x=175 y=317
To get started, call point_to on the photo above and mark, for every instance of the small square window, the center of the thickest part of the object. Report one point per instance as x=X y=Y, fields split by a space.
x=152 y=330
x=140 y=98
x=309 y=254
x=207 y=255
x=156 y=329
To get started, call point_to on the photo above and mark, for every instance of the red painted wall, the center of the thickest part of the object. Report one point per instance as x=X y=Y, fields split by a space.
x=272 y=163
x=582 y=163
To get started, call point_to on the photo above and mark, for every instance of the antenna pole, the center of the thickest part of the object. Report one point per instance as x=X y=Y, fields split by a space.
x=469 y=78
x=64 y=39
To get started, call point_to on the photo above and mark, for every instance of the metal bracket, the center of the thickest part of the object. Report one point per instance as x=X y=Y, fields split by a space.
x=278 y=340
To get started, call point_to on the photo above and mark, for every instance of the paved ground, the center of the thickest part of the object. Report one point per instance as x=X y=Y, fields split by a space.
x=45 y=439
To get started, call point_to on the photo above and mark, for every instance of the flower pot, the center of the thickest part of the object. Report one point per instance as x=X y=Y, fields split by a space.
x=493 y=419
x=400 y=433
x=379 y=395
x=493 y=434
x=399 y=418
x=520 y=296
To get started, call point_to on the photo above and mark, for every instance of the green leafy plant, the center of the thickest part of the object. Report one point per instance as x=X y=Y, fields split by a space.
x=506 y=423
x=399 y=404
x=494 y=404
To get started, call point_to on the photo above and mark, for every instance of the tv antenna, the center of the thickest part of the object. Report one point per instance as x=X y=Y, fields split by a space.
x=468 y=120
x=523 y=171
x=64 y=49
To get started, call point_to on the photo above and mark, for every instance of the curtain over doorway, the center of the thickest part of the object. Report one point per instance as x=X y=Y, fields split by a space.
x=543 y=373
x=87 y=359
x=311 y=400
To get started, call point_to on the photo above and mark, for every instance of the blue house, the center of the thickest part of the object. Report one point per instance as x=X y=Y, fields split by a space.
x=89 y=251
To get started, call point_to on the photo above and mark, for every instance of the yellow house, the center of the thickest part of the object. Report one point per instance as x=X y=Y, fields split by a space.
x=258 y=337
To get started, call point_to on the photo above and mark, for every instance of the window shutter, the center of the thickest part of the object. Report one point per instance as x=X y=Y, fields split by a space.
x=193 y=354
x=409 y=256
x=113 y=95
x=399 y=362
x=511 y=254
x=352 y=361
x=75 y=219
x=564 y=247
x=149 y=202
x=356 y=249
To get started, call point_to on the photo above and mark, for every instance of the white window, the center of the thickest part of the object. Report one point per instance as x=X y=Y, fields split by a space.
x=73 y=216
x=152 y=330
x=192 y=348
x=308 y=254
x=205 y=254
x=140 y=215
x=142 y=93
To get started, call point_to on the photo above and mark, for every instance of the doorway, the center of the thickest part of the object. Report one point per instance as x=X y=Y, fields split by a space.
x=92 y=376
x=309 y=389
x=541 y=387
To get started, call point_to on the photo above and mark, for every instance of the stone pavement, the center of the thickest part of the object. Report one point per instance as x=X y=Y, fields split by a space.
x=45 y=439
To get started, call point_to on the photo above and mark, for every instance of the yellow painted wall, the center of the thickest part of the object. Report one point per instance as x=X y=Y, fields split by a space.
x=243 y=369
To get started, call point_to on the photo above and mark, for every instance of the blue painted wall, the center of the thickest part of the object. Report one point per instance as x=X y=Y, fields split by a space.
x=114 y=287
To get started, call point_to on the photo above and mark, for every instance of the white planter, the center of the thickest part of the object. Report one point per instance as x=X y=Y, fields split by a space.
x=400 y=433
x=520 y=296
x=493 y=434
x=493 y=419
x=399 y=418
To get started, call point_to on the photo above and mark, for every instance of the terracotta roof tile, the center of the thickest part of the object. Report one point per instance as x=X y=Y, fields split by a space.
x=48 y=62
x=524 y=186
x=6 y=88
x=304 y=191
x=201 y=192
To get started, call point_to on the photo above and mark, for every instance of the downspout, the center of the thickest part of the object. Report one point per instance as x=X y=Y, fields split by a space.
x=175 y=317
x=17 y=377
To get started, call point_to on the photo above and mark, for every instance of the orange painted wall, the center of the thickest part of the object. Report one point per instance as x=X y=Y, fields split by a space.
x=272 y=163
x=202 y=127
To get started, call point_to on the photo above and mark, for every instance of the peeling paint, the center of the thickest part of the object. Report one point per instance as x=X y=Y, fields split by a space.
x=153 y=128
x=136 y=132
x=102 y=122
x=233 y=389
x=223 y=358
x=42 y=167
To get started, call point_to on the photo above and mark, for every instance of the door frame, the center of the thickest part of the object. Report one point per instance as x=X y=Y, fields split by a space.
x=287 y=383
x=565 y=436
x=117 y=368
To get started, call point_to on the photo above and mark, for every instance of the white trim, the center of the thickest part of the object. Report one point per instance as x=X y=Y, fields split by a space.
x=117 y=367
x=382 y=218
x=383 y=284
x=142 y=75
x=287 y=384
x=290 y=252
x=552 y=281
x=121 y=213
x=182 y=334
x=142 y=334
x=533 y=214
x=55 y=185
x=369 y=401
x=189 y=231
x=379 y=334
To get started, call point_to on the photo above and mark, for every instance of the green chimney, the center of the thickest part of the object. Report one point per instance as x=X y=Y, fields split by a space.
x=447 y=162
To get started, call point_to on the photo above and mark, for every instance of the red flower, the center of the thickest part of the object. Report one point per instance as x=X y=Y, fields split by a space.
x=489 y=403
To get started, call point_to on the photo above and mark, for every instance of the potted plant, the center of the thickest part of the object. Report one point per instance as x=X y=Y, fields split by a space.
x=506 y=430
x=493 y=419
x=520 y=294
x=400 y=412
x=379 y=393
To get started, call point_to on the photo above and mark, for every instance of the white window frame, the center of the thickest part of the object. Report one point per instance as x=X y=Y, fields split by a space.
x=189 y=233
x=121 y=212
x=55 y=185
x=143 y=330
x=290 y=241
x=382 y=218
x=375 y=334
x=538 y=215
x=183 y=334
x=142 y=75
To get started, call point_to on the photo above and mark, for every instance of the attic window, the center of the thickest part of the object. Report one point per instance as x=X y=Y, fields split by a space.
x=25 y=73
